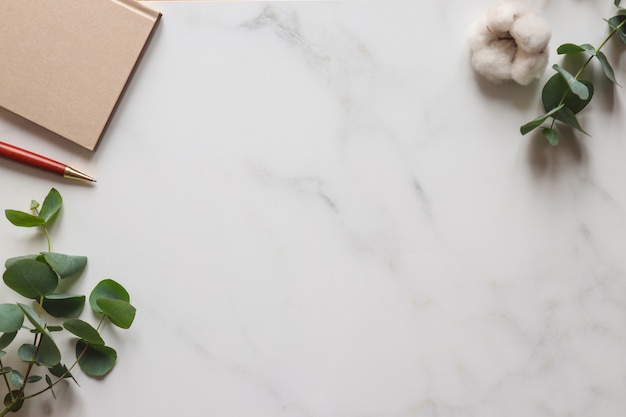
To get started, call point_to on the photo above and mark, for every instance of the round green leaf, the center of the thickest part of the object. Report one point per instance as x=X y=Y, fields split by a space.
x=64 y=305
x=95 y=360
x=14 y=400
x=11 y=318
x=65 y=265
x=551 y=135
x=30 y=278
x=11 y=261
x=554 y=90
x=26 y=352
x=120 y=312
x=107 y=289
x=16 y=379
x=84 y=330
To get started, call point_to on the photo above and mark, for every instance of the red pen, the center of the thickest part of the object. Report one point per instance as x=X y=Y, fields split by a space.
x=38 y=161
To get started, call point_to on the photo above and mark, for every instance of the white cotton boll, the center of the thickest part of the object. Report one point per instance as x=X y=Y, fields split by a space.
x=531 y=32
x=480 y=36
x=494 y=63
x=501 y=16
x=528 y=66
x=510 y=42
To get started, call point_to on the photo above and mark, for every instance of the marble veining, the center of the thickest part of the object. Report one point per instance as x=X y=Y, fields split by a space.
x=321 y=211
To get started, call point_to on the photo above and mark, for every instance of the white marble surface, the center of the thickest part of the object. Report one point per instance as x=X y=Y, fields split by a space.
x=320 y=211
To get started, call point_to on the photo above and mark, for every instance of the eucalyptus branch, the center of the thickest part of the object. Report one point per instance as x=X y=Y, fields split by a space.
x=36 y=277
x=564 y=95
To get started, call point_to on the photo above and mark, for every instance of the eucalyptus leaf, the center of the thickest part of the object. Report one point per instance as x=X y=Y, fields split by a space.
x=606 y=67
x=65 y=266
x=48 y=352
x=14 y=400
x=110 y=289
x=556 y=88
x=51 y=205
x=569 y=48
x=84 y=330
x=95 y=360
x=51 y=386
x=615 y=22
x=120 y=312
x=30 y=278
x=588 y=48
x=16 y=379
x=64 y=305
x=539 y=120
x=23 y=219
x=575 y=86
x=6 y=339
x=27 y=352
x=60 y=371
x=5 y=370
x=551 y=135
x=11 y=318
x=33 y=378
x=11 y=261
x=568 y=117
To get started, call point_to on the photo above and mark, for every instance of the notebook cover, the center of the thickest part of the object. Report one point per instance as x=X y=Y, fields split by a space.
x=65 y=64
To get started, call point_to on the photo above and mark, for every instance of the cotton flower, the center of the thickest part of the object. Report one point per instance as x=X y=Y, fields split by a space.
x=510 y=43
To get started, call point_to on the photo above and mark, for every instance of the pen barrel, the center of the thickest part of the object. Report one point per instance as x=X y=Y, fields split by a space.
x=29 y=158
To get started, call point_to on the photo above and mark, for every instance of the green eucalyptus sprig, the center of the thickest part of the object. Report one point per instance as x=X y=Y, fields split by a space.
x=51 y=313
x=564 y=95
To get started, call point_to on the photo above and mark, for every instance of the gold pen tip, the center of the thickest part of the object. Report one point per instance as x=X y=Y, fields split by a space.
x=75 y=174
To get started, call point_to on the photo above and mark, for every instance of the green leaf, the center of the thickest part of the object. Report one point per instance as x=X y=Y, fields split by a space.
x=65 y=266
x=11 y=318
x=26 y=352
x=22 y=219
x=51 y=205
x=614 y=23
x=64 y=305
x=575 y=86
x=110 y=289
x=14 y=400
x=48 y=353
x=11 y=261
x=60 y=371
x=617 y=3
x=120 y=312
x=6 y=339
x=31 y=279
x=33 y=378
x=532 y=125
x=568 y=117
x=51 y=386
x=606 y=67
x=5 y=370
x=551 y=135
x=588 y=48
x=95 y=360
x=569 y=48
x=556 y=88
x=34 y=204
x=84 y=330
x=16 y=379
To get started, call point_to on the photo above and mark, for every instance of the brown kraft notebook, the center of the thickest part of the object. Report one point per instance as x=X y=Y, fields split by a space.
x=64 y=64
